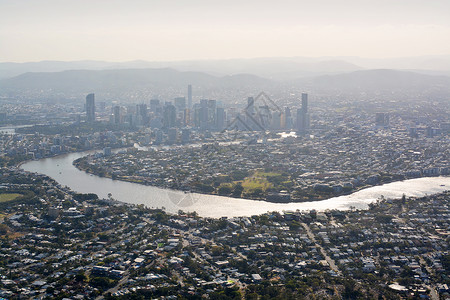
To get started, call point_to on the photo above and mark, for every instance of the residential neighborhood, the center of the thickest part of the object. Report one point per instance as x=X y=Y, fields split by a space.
x=57 y=244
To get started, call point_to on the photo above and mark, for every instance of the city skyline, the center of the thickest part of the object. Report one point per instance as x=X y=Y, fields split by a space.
x=173 y=30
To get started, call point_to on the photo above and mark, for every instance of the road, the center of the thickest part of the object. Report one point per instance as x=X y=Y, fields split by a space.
x=329 y=260
x=115 y=288
x=433 y=293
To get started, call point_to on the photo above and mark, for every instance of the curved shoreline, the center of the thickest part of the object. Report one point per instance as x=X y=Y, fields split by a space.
x=120 y=178
x=316 y=196
x=61 y=169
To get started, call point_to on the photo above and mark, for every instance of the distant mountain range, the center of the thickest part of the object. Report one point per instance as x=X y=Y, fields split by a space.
x=380 y=80
x=123 y=81
x=277 y=68
x=274 y=68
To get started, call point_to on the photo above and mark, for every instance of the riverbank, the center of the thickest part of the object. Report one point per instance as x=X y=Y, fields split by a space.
x=202 y=170
x=82 y=166
x=61 y=169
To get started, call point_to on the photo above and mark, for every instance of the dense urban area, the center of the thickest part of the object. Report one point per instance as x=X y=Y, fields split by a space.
x=56 y=243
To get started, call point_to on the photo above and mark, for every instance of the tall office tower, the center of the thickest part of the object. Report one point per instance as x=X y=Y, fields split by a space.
x=195 y=115
x=185 y=135
x=141 y=110
x=264 y=116
x=142 y=114
x=252 y=121
x=189 y=97
x=180 y=103
x=305 y=103
x=303 y=115
x=276 y=121
x=155 y=106
x=90 y=108
x=288 y=122
x=250 y=105
x=203 y=114
x=116 y=113
x=172 y=135
x=158 y=137
x=170 y=116
x=299 y=121
x=212 y=105
x=186 y=117
x=220 y=118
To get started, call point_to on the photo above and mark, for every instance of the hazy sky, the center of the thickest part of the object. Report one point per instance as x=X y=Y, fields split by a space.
x=118 y=30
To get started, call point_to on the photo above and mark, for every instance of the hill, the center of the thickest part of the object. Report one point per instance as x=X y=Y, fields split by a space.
x=124 y=80
x=379 y=80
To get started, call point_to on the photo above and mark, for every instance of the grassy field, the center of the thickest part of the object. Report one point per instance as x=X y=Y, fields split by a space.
x=8 y=197
x=257 y=181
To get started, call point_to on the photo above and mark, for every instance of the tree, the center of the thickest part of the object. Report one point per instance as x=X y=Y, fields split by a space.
x=224 y=190
x=3 y=229
x=237 y=191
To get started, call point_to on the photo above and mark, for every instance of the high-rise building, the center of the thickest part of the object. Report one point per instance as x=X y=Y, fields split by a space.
x=170 y=116
x=303 y=115
x=186 y=117
x=305 y=103
x=250 y=105
x=158 y=137
x=141 y=114
x=220 y=118
x=185 y=135
x=117 y=115
x=189 y=97
x=212 y=106
x=299 y=121
x=172 y=135
x=155 y=107
x=288 y=120
x=276 y=121
x=203 y=114
x=141 y=109
x=251 y=119
x=180 y=103
x=90 y=108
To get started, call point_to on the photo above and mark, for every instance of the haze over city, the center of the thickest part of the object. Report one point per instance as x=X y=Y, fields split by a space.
x=219 y=150
x=199 y=29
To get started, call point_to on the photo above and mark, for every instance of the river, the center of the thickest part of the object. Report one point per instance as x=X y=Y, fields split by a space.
x=61 y=169
x=12 y=128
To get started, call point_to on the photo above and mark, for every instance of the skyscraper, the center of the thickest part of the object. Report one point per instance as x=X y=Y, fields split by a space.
x=288 y=121
x=155 y=107
x=180 y=103
x=305 y=103
x=189 y=96
x=117 y=116
x=212 y=106
x=90 y=108
x=302 y=115
x=220 y=118
x=169 y=116
x=203 y=114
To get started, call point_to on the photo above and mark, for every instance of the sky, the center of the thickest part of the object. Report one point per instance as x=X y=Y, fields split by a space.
x=168 y=30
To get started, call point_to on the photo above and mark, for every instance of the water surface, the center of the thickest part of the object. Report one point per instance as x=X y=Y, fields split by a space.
x=62 y=170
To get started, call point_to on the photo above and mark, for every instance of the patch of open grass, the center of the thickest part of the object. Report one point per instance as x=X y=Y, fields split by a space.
x=257 y=181
x=9 y=197
x=266 y=174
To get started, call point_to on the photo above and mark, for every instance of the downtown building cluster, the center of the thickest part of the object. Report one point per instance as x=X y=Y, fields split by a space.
x=174 y=121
